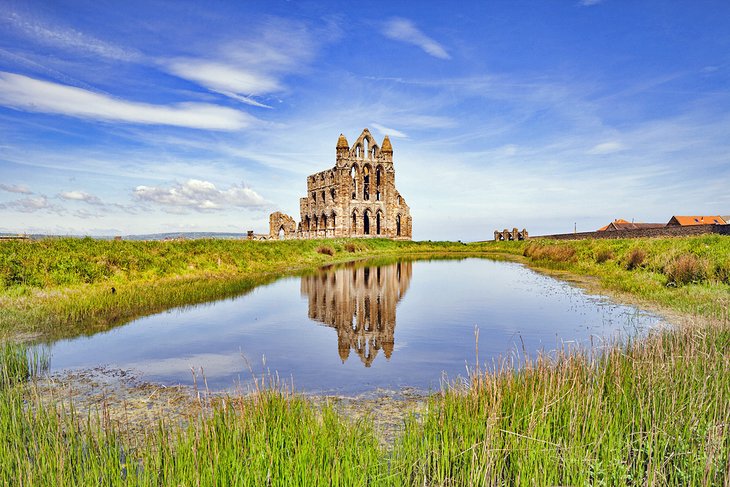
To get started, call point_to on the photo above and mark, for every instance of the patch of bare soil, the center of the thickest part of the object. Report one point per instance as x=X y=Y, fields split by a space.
x=118 y=398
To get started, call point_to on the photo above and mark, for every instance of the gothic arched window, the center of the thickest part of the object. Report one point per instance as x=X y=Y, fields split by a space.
x=354 y=175
x=366 y=183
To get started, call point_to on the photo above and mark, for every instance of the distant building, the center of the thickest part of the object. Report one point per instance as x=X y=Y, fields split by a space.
x=14 y=237
x=685 y=221
x=621 y=224
x=513 y=235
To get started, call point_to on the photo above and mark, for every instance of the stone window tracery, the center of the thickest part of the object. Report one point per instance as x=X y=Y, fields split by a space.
x=378 y=182
x=366 y=183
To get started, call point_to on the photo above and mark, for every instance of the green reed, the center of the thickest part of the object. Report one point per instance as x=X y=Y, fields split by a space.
x=649 y=412
x=652 y=412
x=19 y=363
x=686 y=274
x=269 y=438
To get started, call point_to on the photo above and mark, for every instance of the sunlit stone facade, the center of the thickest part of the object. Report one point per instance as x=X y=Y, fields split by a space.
x=356 y=198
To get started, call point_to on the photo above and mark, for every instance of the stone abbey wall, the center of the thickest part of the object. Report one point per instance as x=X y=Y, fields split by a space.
x=668 y=231
x=356 y=198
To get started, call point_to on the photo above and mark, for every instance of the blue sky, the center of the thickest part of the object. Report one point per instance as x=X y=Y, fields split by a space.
x=143 y=117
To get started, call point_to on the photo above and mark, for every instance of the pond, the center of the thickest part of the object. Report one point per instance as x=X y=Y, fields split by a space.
x=359 y=327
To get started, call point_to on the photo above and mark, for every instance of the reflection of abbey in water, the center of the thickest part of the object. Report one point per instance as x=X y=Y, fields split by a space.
x=359 y=302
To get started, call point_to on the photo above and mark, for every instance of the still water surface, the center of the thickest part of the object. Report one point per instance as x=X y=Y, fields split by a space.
x=359 y=327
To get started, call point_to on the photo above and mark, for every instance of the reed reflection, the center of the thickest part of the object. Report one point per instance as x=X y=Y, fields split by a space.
x=359 y=301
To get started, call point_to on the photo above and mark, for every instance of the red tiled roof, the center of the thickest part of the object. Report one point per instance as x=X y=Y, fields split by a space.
x=621 y=224
x=696 y=220
x=620 y=220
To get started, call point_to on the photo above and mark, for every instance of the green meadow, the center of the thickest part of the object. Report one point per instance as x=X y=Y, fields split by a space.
x=649 y=411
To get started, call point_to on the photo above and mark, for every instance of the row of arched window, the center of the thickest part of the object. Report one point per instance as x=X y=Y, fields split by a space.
x=322 y=178
x=367 y=186
x=323 y=196
x=365 y=150
x=372 y=224
x=319 y=222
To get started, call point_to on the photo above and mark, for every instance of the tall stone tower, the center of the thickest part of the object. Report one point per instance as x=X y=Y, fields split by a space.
x=356 y=198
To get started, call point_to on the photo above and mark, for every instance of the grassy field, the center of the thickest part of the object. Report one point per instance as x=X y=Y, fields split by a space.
x=63 y=287
x=689 y=275
x=655 y=411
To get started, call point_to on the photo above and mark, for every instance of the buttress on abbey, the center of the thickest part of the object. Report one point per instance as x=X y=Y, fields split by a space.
x=356 y=198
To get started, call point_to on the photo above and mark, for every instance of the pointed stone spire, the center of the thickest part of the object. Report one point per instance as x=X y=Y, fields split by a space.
x=343 y=148
x=344 y=351
x=386 y=147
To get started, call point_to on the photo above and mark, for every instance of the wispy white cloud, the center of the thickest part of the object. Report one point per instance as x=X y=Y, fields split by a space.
x=607 y=147
x=589 y=3
x=200 y=195
x=66 y=38
x=253 y=66
x=405 y=31
x=16 y=188
x=388 y=131
x=29 y=94
x=33 y=204
x=236 y=82
x=80 y=196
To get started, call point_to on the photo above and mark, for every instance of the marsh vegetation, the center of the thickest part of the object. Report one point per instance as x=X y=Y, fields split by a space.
x=652 y=411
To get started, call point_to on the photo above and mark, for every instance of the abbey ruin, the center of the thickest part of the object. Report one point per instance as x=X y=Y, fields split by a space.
x=356 y=198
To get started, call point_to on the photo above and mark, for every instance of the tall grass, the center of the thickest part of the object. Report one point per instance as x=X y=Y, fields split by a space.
x=270 y=438
x=690 y=274
x=650 y=412
x=654 y=412
x=19 y=363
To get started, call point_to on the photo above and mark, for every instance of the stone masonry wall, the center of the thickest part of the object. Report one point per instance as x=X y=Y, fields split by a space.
x=670 y=231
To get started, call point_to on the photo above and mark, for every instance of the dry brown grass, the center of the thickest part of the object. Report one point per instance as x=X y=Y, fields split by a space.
x=604 y=255
x=326 y=250
x=635 y=258
x=555 y=253
x=353 y=247
x=685 y=269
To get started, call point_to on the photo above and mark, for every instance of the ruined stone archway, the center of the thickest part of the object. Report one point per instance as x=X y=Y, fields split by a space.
x=282 y=226
x=365 y=172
